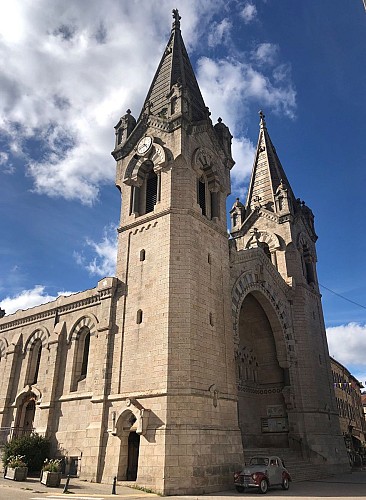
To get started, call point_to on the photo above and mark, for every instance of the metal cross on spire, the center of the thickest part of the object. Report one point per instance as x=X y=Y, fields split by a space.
x=177 y=18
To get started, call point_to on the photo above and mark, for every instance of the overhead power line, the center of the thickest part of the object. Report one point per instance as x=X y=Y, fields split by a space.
x=342 y=296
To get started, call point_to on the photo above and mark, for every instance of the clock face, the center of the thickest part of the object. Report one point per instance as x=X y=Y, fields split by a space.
x=144 y=145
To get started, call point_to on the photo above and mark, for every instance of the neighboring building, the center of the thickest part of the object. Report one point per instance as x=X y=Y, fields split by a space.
x=350 y=408
x=201 y=346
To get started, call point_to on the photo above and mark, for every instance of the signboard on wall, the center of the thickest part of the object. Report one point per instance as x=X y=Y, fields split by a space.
x=274 y=424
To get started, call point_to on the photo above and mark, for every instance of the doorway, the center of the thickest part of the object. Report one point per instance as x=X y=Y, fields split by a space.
x=133 y=455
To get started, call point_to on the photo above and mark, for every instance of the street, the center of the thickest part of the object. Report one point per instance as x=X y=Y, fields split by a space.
x=349 y=486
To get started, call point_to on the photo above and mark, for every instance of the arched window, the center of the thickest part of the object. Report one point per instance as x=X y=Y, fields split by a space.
x=139 y=317
x=81 y=358
x=145 y=197
x=201 y=195
x=151 y=191
x=307 y=263
x=34 y=362
x=84 y=364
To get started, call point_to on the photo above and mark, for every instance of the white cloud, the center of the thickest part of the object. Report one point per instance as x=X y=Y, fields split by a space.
x=29 y=298
x=219 y=33
x=104 y=263
x=249 y=12
x=265 y=53
x=68 y=72
x=231 y=86
x=347 y=344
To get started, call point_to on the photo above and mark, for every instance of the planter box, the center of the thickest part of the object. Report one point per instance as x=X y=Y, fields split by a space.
x=16 y=473
x=52 y=479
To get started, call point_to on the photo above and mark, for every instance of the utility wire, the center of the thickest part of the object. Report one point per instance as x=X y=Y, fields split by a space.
x=342 y=297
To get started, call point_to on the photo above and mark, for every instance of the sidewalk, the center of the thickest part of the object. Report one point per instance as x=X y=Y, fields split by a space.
x=76 y=487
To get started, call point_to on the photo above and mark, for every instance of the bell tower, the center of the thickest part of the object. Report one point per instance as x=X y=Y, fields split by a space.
x=176 y=344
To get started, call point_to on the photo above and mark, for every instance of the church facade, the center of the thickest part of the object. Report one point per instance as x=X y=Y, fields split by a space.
x=202 y=349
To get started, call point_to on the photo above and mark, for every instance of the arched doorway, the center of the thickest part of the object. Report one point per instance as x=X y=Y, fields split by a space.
x=129 y=447
x=261 y=380
x=25 y=415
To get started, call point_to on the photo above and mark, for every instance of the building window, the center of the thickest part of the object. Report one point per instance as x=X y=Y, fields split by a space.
x=84 y=364
x=145 y=197
x=139 y=317
x=81 y=358
x=151 y=191
x=201 y=194
x=308 y=267
x=34 y=362
x=142 y=255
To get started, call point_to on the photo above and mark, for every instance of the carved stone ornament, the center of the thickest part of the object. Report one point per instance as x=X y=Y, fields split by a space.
x=128 y=408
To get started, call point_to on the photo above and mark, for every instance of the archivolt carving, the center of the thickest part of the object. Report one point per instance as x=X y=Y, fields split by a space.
x=41 y=333
x=131 y=406
x=137 y=167
x=203 y=160
x=271 y=239
x=28 y=389
x=248 y=283
x=90 y=321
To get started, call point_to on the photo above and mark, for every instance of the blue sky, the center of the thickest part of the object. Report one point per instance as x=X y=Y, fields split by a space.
x=69 y=72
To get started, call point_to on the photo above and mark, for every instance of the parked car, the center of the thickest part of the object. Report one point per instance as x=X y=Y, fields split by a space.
x=262 y=472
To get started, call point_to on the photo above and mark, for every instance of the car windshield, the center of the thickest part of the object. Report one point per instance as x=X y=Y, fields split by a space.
x=258 y=461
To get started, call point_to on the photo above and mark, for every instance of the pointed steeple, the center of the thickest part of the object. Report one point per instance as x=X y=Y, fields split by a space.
x=269 y=187
x=175 y=71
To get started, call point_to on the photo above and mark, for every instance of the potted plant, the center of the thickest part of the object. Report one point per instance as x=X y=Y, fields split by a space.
x=51 y=472
x=15 y=468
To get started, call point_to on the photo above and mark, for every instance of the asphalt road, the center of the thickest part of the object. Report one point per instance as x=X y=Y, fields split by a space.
x=351 y=486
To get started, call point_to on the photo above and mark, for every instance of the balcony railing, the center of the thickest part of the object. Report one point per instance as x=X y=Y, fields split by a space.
x=9 y=433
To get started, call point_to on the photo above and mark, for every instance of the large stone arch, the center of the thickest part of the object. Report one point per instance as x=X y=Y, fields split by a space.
x=262 y=361
x=274 y=307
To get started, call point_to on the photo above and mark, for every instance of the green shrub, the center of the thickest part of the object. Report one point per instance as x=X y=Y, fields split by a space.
x=34 y=448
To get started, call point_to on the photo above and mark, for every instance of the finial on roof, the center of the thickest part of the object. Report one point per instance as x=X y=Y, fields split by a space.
x=177 y=18
x=219 y=119
x=128 y=111
x=262 y=120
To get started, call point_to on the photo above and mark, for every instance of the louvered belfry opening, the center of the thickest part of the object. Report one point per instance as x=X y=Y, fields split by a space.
x=202 y=196
x=151 y=191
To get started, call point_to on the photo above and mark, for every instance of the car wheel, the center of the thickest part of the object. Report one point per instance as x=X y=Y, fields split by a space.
x=263 y=486
x=239 y=489
x=285 y=483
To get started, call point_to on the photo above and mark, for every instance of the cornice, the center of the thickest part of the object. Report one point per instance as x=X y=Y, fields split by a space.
x=55 y=310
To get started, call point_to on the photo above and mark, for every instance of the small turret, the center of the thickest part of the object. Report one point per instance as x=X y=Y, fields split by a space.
x=124 y=128
x=237 y=215
x=224 y=136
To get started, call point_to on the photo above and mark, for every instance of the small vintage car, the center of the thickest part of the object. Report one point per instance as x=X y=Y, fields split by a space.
x=262 y=472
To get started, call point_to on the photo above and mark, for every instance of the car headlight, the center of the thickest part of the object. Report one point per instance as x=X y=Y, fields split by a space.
x=254 y=476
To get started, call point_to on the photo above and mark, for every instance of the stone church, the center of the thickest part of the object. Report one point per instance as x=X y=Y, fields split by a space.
x=203 y=348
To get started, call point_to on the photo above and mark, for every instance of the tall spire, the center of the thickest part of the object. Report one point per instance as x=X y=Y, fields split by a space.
x=175 y=69
x=268 y=176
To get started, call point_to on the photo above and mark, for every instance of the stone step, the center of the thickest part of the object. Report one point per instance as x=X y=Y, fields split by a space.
x=300 y=469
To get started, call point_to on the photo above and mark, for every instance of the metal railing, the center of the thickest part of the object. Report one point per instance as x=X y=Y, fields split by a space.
x=9 y=433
